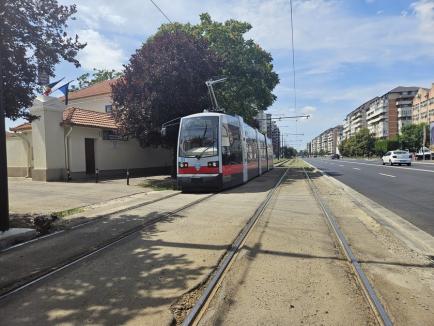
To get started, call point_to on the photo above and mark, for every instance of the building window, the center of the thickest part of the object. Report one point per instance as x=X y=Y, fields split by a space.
x=108 y=108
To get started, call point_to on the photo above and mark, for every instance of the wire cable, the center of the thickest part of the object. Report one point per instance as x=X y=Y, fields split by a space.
x=162 y=12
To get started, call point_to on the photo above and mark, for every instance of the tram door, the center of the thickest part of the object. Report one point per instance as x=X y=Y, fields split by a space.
x=244 y=148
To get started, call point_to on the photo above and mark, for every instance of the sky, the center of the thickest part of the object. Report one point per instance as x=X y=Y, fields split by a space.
x=346 y=51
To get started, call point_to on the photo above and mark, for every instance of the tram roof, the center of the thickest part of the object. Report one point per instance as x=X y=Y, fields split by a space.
x=206 y=114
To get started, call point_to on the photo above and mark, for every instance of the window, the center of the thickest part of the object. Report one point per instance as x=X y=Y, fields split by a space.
x=231 y=141
x=108 y=108
x=198 y=137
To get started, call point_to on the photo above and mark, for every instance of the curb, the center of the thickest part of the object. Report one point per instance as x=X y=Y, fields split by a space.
x=415 y=238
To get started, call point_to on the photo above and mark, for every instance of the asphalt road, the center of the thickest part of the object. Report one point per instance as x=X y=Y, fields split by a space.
x=407 y=191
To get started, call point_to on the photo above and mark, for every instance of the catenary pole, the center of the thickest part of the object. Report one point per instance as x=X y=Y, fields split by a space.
x=4 y=198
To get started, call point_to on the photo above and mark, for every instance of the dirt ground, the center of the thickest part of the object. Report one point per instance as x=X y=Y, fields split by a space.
x=289 y=271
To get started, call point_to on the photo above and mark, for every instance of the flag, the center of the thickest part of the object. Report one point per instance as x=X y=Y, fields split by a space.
x=65 y=90
x=48 y=88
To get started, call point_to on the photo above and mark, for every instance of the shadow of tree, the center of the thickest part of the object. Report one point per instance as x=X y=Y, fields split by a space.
x=134 y=281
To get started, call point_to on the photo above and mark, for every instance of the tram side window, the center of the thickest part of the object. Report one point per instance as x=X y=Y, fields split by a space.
x=231 y=143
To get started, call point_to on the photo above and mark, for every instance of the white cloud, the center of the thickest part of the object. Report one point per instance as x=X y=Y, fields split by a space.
x=100 y=52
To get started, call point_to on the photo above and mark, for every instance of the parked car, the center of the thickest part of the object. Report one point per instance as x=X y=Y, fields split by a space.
x=424 y=151
x=335 y=157
x=397 y=157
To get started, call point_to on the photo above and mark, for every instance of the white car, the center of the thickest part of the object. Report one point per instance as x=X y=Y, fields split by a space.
x=397 y=157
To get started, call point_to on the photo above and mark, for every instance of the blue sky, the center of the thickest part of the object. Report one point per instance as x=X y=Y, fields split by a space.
x=346 y=51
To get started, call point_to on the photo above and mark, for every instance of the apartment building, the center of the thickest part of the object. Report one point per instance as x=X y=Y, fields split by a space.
x=327 y=141
x=388 y=113
x=423 y=106
x=356 y=120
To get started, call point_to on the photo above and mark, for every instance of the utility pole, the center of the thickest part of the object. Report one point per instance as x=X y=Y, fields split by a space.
x=4 y=198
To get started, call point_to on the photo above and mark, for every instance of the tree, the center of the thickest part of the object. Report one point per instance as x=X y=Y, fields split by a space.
x=248 y=68
x=36 y=28
x=412 y=136
x=289 y=151
x=164 y=80
x=361 y=144
x=98 y=75
x=32 y=40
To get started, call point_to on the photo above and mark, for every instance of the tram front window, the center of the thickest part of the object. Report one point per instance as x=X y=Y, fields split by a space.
x=198 y=137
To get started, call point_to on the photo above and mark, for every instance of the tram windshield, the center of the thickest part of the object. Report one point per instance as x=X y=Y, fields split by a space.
x=198 y=137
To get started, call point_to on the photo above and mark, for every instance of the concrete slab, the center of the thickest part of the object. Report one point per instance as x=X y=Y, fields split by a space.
x=15 y=235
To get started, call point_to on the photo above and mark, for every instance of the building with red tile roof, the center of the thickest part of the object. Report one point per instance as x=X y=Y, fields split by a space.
x=79 y=139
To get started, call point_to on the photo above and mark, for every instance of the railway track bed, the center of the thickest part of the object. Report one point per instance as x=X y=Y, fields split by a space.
x=260 y=253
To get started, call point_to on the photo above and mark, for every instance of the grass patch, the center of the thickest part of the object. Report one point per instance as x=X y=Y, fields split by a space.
x=158 y=185
x=298 y=163
x=67 y=212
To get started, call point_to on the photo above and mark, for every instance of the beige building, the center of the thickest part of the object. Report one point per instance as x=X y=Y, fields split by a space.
x=423 y=109
x=423 y=106
x=80 y=138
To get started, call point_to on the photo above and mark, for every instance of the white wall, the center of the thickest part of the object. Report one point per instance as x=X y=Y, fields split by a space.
x=113 y=155
x=93 y=103
x=17 y=150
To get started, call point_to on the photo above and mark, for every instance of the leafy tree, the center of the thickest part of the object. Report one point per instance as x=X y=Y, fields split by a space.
x=98 y=75
x=289 y=151
x=248 y=68
x=164 y=80
x=412 y=136
x=382 y=145
x=32 y=38
x=361 y=144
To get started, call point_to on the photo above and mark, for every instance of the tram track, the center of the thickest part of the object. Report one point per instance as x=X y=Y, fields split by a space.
x=212 y=285
x=71 y=261
x=96 y=219
x=368 y=289
x=217 y=277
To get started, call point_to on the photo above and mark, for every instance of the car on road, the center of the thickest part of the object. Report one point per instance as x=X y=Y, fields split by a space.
x=397 y=157
x=424 y=152
x=335 y=157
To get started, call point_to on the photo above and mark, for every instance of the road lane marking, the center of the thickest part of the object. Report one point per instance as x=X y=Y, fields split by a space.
x=341 y=165
x=356 y=169
x=393 y=167
x=388 y=175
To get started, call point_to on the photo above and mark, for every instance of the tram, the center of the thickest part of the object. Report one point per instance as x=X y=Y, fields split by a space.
x=218 y=151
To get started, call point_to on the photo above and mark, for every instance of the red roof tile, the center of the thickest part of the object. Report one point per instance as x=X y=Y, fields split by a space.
x=100 y=88
x=22 y=127
x=87 y=118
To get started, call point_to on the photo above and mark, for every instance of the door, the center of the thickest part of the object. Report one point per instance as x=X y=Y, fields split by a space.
x=89 y=154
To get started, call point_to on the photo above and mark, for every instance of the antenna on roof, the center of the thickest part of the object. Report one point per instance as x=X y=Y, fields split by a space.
x=209 y=84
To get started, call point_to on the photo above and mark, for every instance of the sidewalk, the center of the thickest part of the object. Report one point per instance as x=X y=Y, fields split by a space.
x=37 y=197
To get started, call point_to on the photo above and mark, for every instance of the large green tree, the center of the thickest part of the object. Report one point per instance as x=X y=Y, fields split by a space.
x=412 y=136
x=164 y=80
x=248 y=68
x=361 y=144
x=33 y=38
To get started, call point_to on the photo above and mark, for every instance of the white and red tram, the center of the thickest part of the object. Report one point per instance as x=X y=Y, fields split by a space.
x=217 y=151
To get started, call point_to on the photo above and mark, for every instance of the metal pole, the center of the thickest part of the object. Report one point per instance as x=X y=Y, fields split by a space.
x=128 y=177
x=4 y=196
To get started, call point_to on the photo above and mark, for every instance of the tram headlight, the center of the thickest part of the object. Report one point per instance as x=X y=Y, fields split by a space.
x=183 y=164
x=213 y=164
